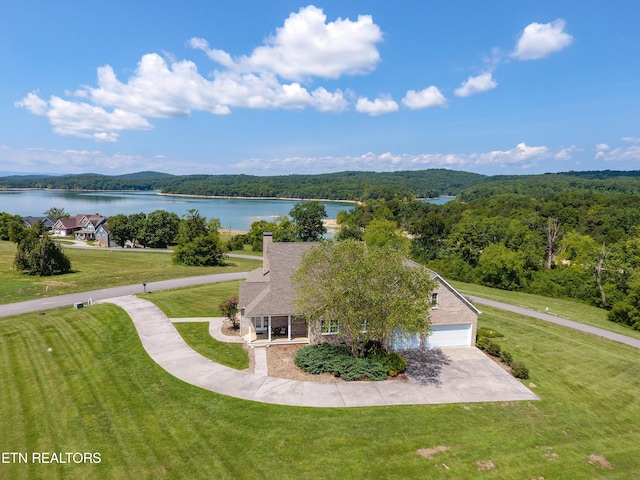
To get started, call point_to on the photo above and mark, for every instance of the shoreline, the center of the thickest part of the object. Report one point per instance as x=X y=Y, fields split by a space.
x=227 y=197
x=188 y=195
x=231 y=197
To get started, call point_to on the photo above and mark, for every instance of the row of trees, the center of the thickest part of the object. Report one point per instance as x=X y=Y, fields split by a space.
x=196 y=239
x=303 y=224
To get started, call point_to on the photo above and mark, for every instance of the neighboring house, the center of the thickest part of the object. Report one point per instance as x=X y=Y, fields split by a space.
x=102 y=236
x=83 y=226
x=65 y=227
x=88 y=226
x=48 y=221
x=268 y=312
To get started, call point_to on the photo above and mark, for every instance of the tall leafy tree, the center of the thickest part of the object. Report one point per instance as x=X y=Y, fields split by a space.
x=382 y=232
x=56 y=213
x=160 y=229
x=39 y=255
x=120 y=229
x=369 y=292
x=192 y=226
x=204 y=251
x=307 y=219
x=11 y=227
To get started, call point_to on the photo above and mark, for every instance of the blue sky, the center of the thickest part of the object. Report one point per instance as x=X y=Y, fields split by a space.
x=265 y=88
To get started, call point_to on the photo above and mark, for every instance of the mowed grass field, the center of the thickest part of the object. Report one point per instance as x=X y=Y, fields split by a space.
x=97 y=269
x=98 y=391
x=562 y=307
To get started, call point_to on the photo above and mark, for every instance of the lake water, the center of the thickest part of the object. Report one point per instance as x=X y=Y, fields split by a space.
x=234 y=213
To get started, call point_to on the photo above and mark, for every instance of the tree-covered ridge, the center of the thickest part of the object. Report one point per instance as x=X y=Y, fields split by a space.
x=541 y=186
x=332 y=186
x=560 y=242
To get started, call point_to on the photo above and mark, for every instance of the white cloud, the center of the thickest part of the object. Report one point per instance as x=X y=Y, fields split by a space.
x=307 y=46
x=429 y=97
x=40 y=160
x=33 y=103
x=539 y=40
x=522 y=156
x=478 y=84
x=566 y=153
x=631 y=139
x=606 y=153
x=380 y=105
x=80 y=119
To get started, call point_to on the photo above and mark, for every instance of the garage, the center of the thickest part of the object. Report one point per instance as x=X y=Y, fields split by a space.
x=456 y=335
x=405 y=341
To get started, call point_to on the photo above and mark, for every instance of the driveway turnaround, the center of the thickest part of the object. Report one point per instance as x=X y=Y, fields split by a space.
x=467 y=375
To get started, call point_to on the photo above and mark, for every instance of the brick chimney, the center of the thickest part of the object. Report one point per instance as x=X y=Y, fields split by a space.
x=267 y=240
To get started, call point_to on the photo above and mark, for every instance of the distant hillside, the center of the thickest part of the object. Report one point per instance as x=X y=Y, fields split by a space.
x=346 y=185
x=549 y=184
x=334 y=186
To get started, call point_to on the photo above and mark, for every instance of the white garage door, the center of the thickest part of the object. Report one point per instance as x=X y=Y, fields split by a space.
x=404 y=341
x=458 y=335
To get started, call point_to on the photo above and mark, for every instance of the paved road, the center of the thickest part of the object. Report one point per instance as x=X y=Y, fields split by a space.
x=69 y=300
x=95 y=295
x=558 y=320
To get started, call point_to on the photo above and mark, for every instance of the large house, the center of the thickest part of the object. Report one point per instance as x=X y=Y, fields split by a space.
x=47 y=221
x=83 y=226
x=268 y=313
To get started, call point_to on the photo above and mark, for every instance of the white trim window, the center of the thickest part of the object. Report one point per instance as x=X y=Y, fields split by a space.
x=364 y=325
x=329 y=327
x=434 y=300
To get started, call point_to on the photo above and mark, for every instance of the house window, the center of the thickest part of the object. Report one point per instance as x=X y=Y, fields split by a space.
x=364 y=325
x=329 y=327
x=434 y=300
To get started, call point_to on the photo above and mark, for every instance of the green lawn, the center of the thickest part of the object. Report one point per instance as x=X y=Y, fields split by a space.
x=200 y=301
x=98 y=391
x=97 y=269
x=571 y=309
x=196 y=334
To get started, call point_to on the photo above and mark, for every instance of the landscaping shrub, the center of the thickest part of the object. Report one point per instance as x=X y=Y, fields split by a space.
x=490 y=347
x=318 y=358
x=337 y=360
x=393 y=362
x=236 y=242
x=506 y=357
x=519 y=370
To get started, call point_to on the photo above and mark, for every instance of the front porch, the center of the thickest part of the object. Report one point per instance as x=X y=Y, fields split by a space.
x=274 y=329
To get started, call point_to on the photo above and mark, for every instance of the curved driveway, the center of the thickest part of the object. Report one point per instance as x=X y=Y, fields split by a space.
x=467 y=375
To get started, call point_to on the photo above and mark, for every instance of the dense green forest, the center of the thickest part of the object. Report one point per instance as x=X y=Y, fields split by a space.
x=555 y=235
x=332 y=186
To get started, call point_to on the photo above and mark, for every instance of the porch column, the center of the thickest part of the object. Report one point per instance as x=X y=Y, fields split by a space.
x=289 y=326
x=269 y=328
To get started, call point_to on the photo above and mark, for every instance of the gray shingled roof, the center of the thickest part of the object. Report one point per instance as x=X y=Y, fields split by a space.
x=271 y=293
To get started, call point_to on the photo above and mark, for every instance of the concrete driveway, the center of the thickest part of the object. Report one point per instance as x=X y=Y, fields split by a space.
x=465 y=374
